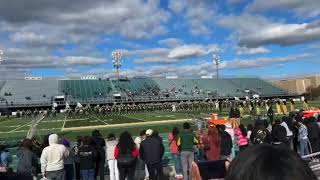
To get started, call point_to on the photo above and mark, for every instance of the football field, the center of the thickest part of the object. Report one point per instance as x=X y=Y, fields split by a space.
x=17 y=128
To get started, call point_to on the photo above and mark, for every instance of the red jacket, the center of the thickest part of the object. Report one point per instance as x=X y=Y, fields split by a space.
x=135 y=152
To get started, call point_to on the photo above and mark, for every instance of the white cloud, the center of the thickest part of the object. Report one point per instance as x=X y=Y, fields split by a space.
x=84 y=61
x=265 y=62
x=255 y=31
x=192 y=50
x=251 y=51
x=302 y=8
x=171 y=42
x=197 y=13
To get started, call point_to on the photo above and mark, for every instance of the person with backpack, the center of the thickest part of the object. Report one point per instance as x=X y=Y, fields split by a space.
x=112 y=162
x=186 y=141
x=88 y=155
x=151 y=152
x=174 y=150
x=140 y=164
x=99 y=144
x=126 y=154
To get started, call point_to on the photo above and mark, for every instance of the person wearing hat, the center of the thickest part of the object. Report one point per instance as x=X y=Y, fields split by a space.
x=151 y=152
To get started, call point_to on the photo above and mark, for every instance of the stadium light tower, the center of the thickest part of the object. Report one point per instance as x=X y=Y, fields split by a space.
x=216 y=60
x=1 y=54
x=117 y=55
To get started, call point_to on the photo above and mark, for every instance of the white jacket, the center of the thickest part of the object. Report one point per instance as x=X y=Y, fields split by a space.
x=52 y=157
x=110 y=146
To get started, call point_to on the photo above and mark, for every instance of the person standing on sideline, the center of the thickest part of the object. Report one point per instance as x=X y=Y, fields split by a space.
x=174 y=150
x=87 y=158
x=303 y=139
x=68 y=161
x=27 y=160
x=76 y=159
x=186 y=142
x=151 y=152
x=241 y=134
x=226 y=143
x=126 y=154
x=52 y=159
x=112 y=162
x=100 y=145
x=211 y=144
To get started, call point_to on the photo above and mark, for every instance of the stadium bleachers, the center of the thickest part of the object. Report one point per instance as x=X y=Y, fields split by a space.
x=256 y=85
x=27 y=91
x=85 y=89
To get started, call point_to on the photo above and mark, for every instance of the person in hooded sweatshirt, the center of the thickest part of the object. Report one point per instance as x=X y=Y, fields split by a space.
x=52 y=159
x=111 y=144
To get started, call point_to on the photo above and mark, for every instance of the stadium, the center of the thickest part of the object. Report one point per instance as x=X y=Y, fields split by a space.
x=159 y=90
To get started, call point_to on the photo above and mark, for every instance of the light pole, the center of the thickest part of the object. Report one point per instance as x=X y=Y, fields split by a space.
x=117 y=55
x=1 y=54
x=216 y=61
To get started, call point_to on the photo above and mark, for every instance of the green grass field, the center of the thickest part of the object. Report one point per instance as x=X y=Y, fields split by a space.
x=14 y=128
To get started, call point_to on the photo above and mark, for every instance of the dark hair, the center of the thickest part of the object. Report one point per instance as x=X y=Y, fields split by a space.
x=79 y=139
x=249 y=127
x=175 y=131
x=243 y=130
x=2 y=147
x=267 y=162
x=111 y=137
x=289 y=121
x=277 y=121
x=87 y=140
x=96 y=133
x=186 y=125
x=27 y=143
x=125 y=142
x=143 y=132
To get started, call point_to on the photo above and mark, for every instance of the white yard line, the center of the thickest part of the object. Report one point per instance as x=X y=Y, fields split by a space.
x=64 y=122
x=20 y=126
x=133 y=118
x=125 y=125
x=98 y=119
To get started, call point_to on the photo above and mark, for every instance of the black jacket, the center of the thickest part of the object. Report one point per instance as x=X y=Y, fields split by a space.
x=151 y=150
x=226 y=143
x=279 y=134
x=87 y=157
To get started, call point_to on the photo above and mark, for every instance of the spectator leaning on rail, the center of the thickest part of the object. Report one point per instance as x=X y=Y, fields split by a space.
x=52 y=159
x=186 y=143
x=151 y=152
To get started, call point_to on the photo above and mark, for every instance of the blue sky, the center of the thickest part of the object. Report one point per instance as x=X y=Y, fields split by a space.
x=270 y=39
